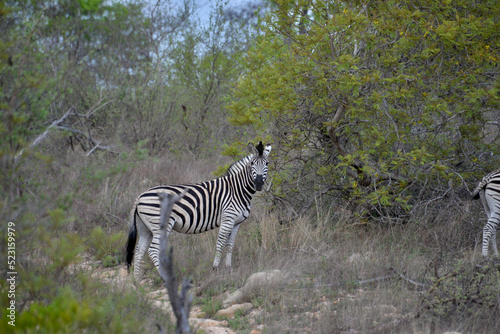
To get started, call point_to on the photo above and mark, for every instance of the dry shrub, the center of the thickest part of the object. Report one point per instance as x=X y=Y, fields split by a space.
x=466 y=296
x=301 y=233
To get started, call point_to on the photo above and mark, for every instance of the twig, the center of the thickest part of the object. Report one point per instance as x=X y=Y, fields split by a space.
x=120 y=220
x=403 y=277
x=93 y=149
x=97 y=146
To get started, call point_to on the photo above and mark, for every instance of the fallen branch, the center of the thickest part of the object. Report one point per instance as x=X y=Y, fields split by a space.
x=395 y=274
x=415 y=283
x=181 y=305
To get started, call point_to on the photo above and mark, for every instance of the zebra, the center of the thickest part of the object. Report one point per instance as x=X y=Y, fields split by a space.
x=222 y=202
x=489 y=191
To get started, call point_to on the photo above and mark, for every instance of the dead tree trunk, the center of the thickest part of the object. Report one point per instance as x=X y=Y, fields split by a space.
x=181 y=305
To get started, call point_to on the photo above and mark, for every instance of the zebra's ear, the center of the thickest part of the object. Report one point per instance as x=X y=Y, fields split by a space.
x=251 y=148
x=267 y=150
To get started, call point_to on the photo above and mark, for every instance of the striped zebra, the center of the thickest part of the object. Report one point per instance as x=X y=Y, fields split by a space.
x=223 y=202
x=489 y=191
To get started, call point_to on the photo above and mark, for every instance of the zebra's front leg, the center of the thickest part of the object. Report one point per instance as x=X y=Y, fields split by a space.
x=230 y=245
x=222 y=239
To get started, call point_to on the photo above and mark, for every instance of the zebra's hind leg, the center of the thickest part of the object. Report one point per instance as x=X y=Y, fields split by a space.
x=145 y=237
x=230 y=245
x=154 y=249
x=492 y=209
x=494 y=241
x=489 y=234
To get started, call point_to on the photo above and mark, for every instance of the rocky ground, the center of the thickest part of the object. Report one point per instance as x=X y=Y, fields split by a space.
x=233 y=304
x=237 y=306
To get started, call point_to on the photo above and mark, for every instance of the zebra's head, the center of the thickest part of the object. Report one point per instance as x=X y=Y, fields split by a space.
x=258 y=163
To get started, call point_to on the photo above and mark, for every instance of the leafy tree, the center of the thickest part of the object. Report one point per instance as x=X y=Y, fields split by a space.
x=388 y=104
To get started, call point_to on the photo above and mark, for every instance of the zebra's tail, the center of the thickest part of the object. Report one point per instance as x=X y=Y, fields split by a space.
x=132 y=238
x=475 y=193
x=480 y=186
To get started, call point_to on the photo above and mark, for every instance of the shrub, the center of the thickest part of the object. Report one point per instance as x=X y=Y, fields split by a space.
x=104 y=246
x=468 y=293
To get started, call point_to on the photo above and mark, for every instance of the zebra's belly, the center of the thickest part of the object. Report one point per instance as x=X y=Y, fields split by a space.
x=194 y=226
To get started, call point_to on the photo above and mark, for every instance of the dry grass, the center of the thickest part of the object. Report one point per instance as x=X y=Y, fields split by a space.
x=330 y=265
x=329 y=257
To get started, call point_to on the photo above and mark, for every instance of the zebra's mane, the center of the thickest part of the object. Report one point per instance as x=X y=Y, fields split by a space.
x=238 y=165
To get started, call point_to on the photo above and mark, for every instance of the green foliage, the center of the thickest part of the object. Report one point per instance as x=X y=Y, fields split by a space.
x=106 y=246
x=210 y=306
x=112 y=312
x=234 y=151
x=24 y=93
x=65 y=313
x=386 y=104
x=239 y=322
x=221 y=170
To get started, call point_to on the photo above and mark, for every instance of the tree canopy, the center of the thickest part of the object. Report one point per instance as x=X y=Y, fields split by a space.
x=388 y=104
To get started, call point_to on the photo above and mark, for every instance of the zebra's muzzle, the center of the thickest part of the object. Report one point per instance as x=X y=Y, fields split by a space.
x=259 y=182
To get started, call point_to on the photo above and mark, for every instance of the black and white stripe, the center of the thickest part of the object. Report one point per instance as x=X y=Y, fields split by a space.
x=223 y=202
x=489 y=192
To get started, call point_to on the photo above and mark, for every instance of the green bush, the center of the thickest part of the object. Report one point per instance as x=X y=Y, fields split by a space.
x=104 y=246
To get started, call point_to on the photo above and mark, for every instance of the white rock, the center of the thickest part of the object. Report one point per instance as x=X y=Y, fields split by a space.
x=231 y=311
x=256 y=284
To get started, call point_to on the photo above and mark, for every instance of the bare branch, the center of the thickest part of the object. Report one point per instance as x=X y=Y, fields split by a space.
x=331 y=129
x=181 y=305
x=41 y=137
x=57 y=124
x=97 y=107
